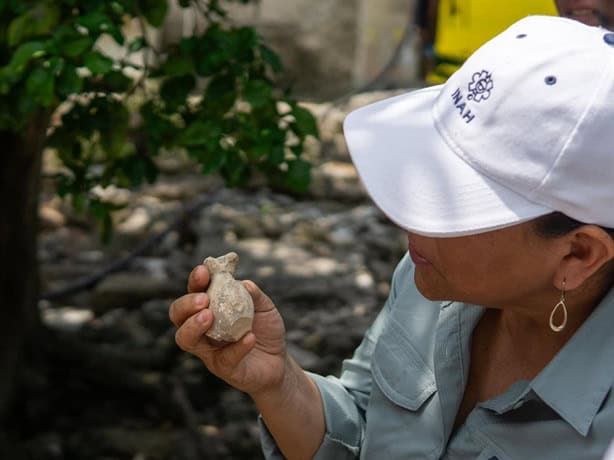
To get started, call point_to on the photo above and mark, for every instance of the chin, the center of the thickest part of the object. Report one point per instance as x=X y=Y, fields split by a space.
x=428 y=291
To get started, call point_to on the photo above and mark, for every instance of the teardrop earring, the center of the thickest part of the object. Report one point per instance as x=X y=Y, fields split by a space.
x=560 y=304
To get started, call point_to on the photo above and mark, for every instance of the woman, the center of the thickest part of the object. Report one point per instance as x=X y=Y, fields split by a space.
x=590 y=12
x=496 y=340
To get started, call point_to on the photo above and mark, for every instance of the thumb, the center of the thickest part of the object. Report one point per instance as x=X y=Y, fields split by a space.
x=262 y=302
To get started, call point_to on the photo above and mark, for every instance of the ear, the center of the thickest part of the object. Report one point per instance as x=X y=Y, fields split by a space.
x=588 y=249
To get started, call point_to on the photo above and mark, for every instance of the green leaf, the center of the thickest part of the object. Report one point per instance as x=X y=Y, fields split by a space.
x=220 y=94
x=55 y=65
x=97 y=63
x=112 y=120
x=154 y=11
x=298 y=176
x=22 y=56
x=177 y=65
x=184 y=3
x=257 y=92
x=213 y=161
x=117 y=82
x=96 y=22
x=101 y=211
x=26 y=105
x=139 y=169
x=187 y=44
x=136 y=45
x=37 y=21
x=68 y=82
x=276 y=155
x=213 y=51
x=117 y=34
x=297 y=150
x=305 y=122
x=199 y=133
x=235 y=171
x=159 y=130
x=76 y=47
x=40 y=85
x=175 y=90
x=271 y=58
x=210 y=160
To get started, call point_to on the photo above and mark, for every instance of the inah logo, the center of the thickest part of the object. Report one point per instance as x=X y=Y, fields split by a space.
x=461 y=106
x=480 y=86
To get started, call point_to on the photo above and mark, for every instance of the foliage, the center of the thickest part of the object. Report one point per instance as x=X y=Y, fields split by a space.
x=212 y=94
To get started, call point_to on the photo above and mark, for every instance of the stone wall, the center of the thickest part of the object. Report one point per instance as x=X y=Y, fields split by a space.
x=330 y=47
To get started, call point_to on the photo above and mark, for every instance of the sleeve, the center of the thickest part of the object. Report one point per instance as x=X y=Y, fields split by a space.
x=345 y=399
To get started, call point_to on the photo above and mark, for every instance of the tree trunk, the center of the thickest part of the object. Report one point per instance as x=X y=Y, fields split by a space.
x=20 y=163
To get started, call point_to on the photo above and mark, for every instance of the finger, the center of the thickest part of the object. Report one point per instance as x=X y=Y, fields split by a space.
x=231 y=355
x=198 y=279
x=262 y=302
x=190 y=335
x=187 y=306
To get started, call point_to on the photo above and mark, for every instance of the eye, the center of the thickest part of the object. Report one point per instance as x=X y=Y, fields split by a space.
x=550 y=80
x=521 y=35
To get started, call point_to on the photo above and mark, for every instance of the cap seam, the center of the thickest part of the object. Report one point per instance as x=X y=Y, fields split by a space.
x=459 y=152
x=602 y=83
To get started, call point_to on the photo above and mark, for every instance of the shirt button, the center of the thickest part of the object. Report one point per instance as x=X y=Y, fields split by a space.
x=609 y=38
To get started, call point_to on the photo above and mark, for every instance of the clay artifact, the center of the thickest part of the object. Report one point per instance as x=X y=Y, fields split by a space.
x=229 y=301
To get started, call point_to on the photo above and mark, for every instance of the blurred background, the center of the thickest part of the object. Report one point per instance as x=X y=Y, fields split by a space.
x=143 y=136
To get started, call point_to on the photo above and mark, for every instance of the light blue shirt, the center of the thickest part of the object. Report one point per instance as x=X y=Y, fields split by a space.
x=398 y=396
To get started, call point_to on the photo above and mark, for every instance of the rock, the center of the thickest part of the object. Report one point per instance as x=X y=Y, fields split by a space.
x=66 y=318
x=337 y=180
x=113 y=195
x=231 y=304
x=324 y=258
x=155 y=315
x=130 y=290
x=136 y=223
x=50 y=218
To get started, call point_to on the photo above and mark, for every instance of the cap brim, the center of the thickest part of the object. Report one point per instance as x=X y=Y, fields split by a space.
x=418 y=181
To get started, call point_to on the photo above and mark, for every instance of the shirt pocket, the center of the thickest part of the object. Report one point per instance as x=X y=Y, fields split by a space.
x=399 y=370
x=403 y=418
x=490 y=454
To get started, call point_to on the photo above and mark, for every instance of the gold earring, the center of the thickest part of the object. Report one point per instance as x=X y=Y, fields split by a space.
x=562 y=305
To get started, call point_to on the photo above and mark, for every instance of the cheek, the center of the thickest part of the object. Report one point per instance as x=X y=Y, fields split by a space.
x=473 y=274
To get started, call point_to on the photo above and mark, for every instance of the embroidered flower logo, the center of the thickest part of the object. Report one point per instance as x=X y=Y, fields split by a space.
x=480 y=86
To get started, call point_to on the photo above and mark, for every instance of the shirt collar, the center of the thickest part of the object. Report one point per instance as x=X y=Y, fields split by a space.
x=577 y=380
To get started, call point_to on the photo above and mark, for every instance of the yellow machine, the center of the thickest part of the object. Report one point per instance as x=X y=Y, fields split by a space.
x=464 y=25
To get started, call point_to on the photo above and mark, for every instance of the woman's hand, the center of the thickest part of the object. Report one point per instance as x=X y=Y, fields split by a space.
x=254 y=364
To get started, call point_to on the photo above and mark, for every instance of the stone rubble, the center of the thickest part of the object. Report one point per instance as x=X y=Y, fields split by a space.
x=325 y=259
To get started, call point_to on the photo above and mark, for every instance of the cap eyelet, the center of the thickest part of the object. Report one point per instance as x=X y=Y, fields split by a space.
x=521 y=35
x=550 y=80
x=609 y=38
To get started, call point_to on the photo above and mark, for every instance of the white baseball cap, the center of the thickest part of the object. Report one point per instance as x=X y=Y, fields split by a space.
x=524 y=128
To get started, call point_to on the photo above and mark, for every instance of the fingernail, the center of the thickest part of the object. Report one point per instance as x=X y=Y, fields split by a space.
x=200 y=299
x=204 y=316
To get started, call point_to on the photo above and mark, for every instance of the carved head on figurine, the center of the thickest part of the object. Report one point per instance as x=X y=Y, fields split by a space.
x=226 y=263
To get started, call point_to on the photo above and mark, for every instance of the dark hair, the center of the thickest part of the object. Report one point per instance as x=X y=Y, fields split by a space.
x=558 y=224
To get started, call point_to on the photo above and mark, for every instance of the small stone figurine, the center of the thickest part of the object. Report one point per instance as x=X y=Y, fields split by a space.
x=229 y=301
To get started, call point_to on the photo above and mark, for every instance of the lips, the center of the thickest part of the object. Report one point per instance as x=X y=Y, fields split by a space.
x=416 y=257
x=588 y=16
